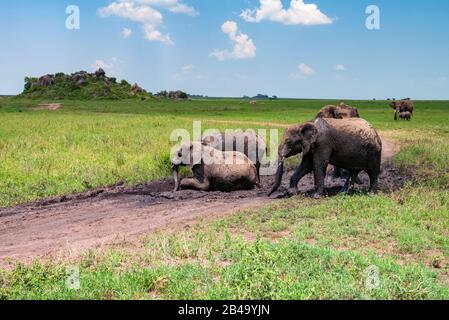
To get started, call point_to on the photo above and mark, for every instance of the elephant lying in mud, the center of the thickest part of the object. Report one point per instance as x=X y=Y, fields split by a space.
x=213 y=169
x=352 y=144
x=248 y=143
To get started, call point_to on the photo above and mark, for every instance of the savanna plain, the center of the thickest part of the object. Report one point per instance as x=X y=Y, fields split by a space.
x=296 y=248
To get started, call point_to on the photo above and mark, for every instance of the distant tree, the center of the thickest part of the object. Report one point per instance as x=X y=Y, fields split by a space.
x=178 y=95
x=162 y=94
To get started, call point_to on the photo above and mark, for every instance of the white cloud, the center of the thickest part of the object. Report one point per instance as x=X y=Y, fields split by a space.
x=305 y=70
x=175 y=6
x=188 y=73
x=299 y=13
x=188 y=68
x=244 y=47
x=143 y=12
x=112 y=66
x=340 y=67
x=126 y=33
x=101 y=64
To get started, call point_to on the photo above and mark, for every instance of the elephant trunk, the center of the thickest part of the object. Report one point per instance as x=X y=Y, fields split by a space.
x=175 y=172
x=279 y=175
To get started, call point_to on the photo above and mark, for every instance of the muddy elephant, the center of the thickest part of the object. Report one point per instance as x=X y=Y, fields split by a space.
x=352 y=144
x=342 y=111
x=213 y=170
x=247 y=142
x=400 y=106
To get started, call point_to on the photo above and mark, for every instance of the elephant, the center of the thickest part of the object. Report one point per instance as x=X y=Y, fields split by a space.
x=249 y=143
x=352 y=144
x=342 y=111
x=405 y=115
x=399 y=106
x=213 y=170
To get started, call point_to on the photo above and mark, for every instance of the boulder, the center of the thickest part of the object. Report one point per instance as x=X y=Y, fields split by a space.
x=79 y=78
x=80 y=82
x=136 y=89
x=100 y=73
x=45 y=81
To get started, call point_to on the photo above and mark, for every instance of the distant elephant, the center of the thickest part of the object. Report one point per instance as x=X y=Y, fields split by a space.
x=249 y=143
x=342 y=111
x=352 y=144
x=405 y=115
x=399 y=106
x=213 y=169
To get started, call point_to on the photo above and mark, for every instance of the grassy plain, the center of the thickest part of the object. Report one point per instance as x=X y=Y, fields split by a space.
x=294 y=249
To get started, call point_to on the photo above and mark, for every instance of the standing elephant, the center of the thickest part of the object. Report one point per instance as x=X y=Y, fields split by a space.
x=213 y=169
x=342 y=111
x=249 y=143
x=352 y=144
x=400 y=106
x=405 y=115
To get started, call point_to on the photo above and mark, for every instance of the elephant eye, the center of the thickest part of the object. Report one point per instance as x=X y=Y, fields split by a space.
x=180 y=154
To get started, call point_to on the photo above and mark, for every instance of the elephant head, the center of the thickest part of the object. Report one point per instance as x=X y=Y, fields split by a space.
x=345 y=111
x=188 y=154
x=328 y=112
x=395 y=104
x=296 y=140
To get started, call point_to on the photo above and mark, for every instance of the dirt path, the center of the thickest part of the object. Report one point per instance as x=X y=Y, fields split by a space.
x=67 y=226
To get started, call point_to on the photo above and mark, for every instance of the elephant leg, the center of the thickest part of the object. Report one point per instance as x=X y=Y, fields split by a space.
x=258 y=173
x=353 y=178
x=373 y=178
x=319 y=169
x=304 y=168
x=356 y=179
x=373 y=173
x=195 y=184
x=345 y=188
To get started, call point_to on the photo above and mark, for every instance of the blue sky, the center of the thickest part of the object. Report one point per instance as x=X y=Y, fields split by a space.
x=185 y=46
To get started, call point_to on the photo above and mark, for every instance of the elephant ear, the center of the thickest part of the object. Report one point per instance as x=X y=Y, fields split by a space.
x=195 y=153
x=309 y=134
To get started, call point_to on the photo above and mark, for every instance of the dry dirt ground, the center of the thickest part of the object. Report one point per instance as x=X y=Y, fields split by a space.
x=49 y=106
x=68 y=226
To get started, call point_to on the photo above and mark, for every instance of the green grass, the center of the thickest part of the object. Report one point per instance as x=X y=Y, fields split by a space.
x=90 y=144
x=294 y=249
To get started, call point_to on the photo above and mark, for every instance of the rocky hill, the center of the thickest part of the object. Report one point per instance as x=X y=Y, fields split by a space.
x=81 y=85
